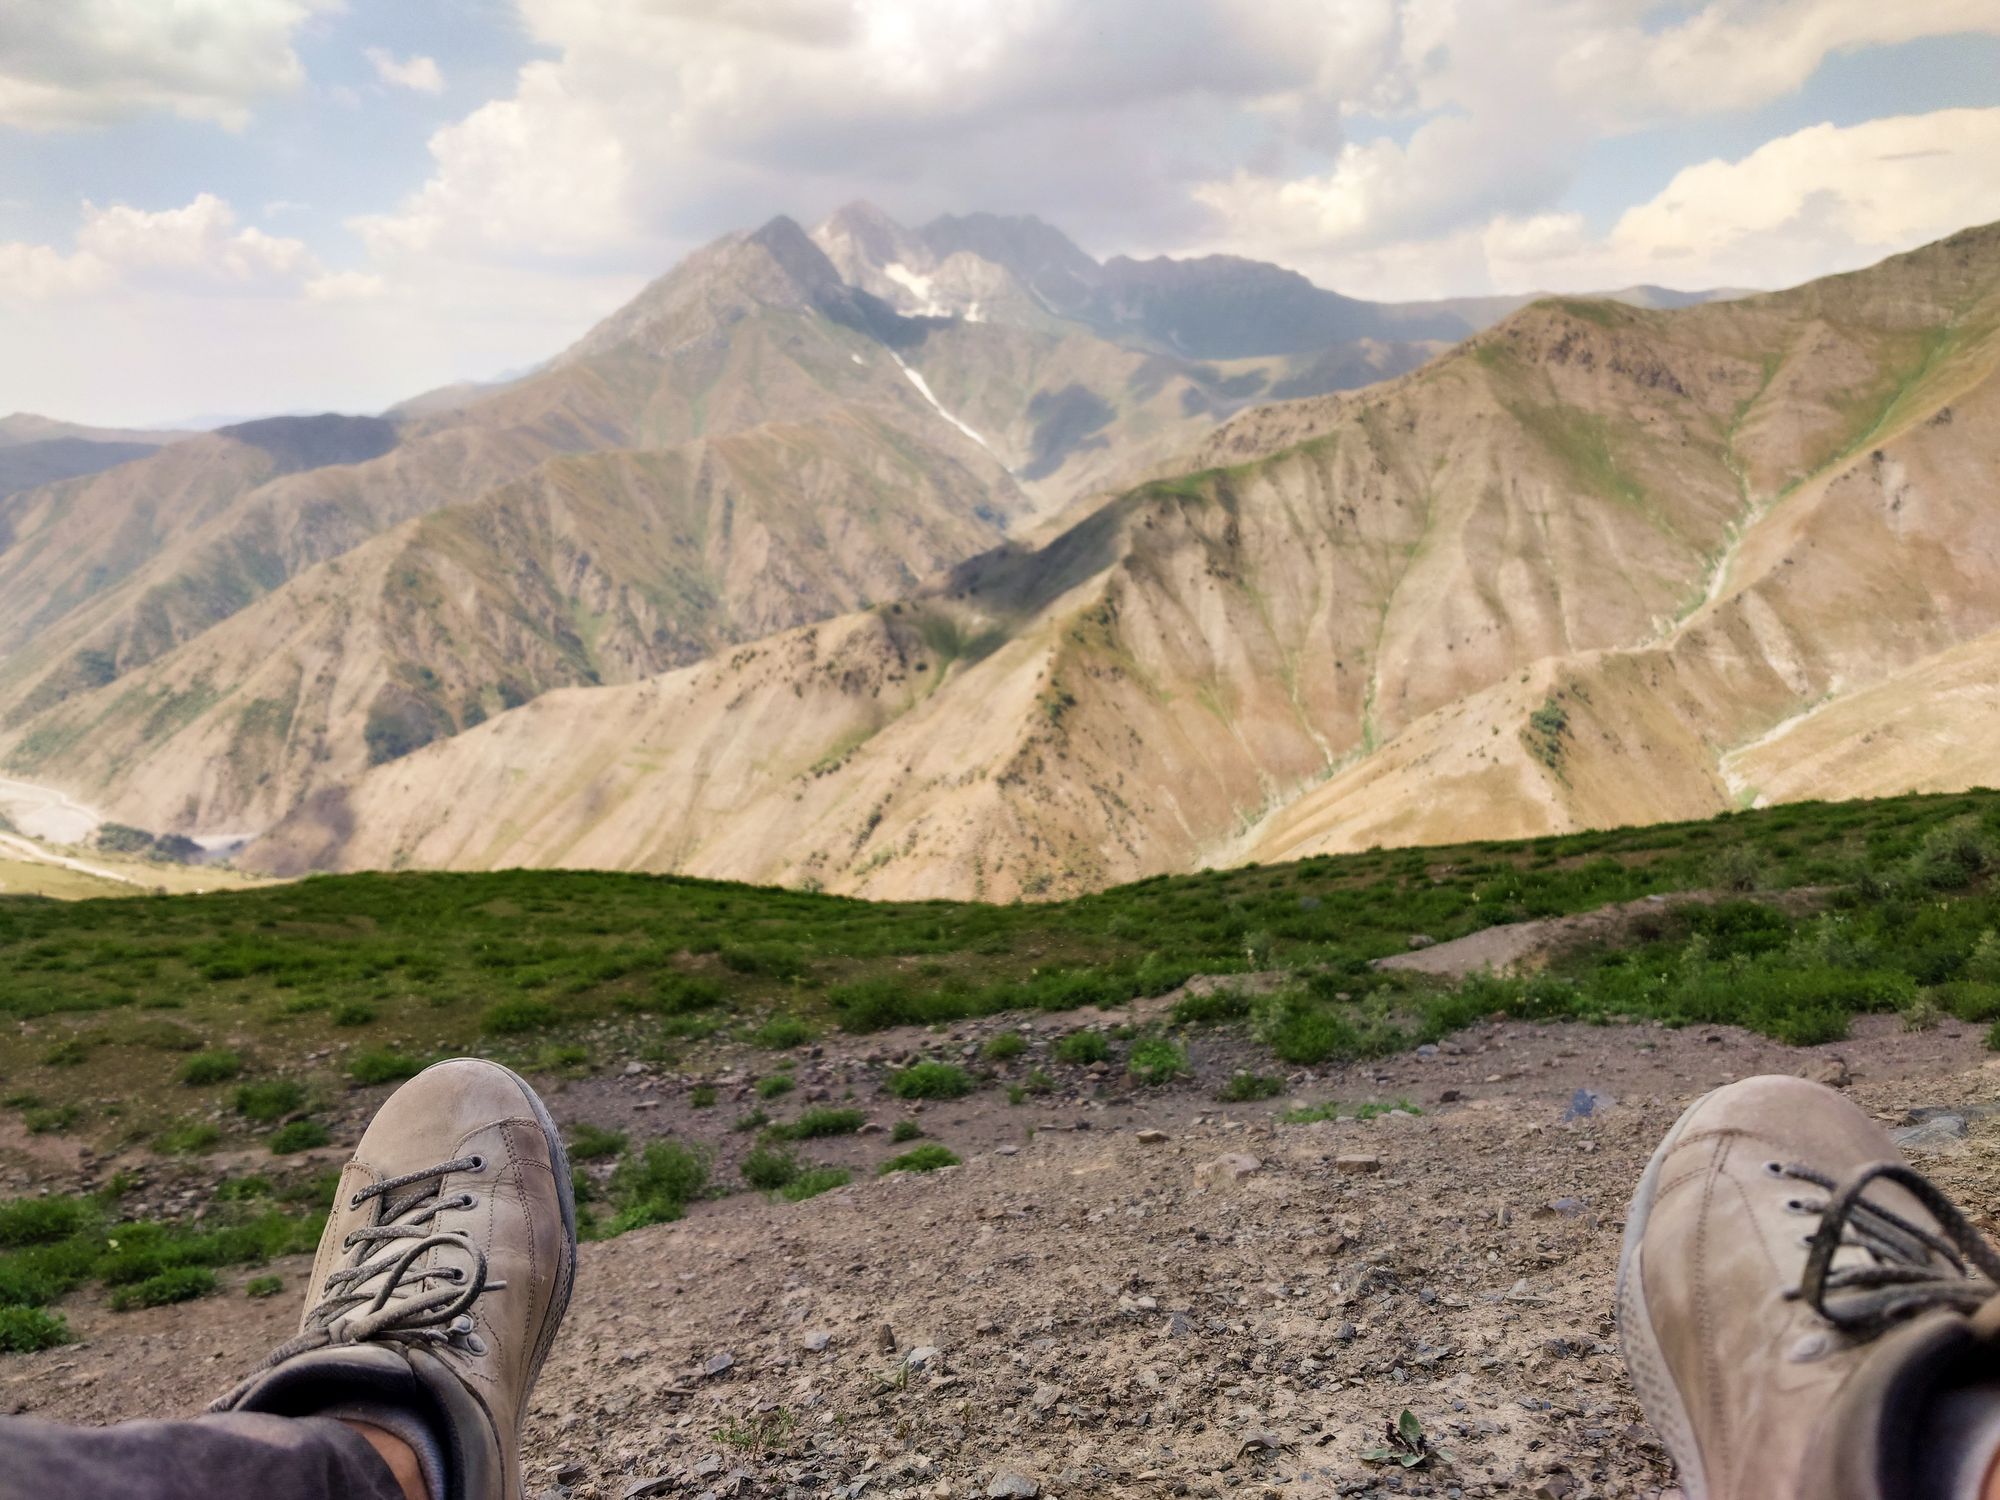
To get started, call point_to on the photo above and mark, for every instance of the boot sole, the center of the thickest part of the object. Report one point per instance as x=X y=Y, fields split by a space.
x=1647 y=1362
x=566 y=1198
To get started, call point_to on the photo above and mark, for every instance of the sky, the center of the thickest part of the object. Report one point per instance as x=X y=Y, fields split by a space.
x=212 y=209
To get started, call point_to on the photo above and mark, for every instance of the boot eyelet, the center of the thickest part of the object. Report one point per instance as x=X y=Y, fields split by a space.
x=355 y=1201
x=1774 y=1168
x=466 y=1200
x=478 y=1164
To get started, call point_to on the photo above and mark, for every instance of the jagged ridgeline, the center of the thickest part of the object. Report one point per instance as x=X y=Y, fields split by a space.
x=951 y=561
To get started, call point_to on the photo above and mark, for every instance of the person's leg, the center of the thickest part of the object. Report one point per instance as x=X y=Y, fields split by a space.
x=1804 y=1316
x=404 y=1465
x=442 y=1277
x=284 y=1458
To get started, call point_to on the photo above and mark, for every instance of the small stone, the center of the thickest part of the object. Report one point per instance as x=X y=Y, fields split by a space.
x=659 y=1484
x=873 y=1127
x=1450 y=1096
x=1833 y=1072
x=718 y=1364
x=571 y=1473
x=1006 y=1150
x=1357 y=1162
x=709 y=1467
x=1567 y=1208
x=1940 y=1132
x=1421 y=940
x=1584 y=1105
x=1008 y=1485
x=924 y=1357
x=1260 y=1442
x=816 y=1340
x=1179 y=1326
x=1226 y=1171
x=885 y=1339
x=1152 y=1137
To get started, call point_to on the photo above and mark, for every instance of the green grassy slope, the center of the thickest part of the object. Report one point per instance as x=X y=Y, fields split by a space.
x=115 y=1003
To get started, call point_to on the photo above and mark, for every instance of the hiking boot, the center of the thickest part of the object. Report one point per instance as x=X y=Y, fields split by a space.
x=1793 y=1298
x=442 y=1276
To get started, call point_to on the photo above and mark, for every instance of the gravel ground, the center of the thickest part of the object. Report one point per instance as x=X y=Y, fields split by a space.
x=1241 y=1305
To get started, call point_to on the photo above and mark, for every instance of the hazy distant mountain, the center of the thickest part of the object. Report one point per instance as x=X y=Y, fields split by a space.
x=40 y=450
x=986 y=267
x=1599 y=564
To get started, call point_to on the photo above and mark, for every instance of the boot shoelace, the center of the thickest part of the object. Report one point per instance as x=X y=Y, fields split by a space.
x=401 y=1303
x=1910 y=1269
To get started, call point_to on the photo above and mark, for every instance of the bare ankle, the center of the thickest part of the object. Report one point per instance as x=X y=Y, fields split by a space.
x=398 y=1455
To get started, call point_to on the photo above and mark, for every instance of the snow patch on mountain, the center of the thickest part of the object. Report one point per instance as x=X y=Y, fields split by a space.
x=924 y=389
x=922 y=290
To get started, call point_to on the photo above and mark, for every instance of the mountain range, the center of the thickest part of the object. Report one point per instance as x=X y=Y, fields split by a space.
x=952 y=561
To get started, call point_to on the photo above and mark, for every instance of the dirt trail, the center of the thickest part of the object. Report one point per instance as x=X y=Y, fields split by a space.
x=45 y=813
x=1513 y=946
x=1102 y=1315
x=30 y=850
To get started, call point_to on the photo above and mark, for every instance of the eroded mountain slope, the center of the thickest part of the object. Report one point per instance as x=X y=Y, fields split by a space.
x=1663 y=532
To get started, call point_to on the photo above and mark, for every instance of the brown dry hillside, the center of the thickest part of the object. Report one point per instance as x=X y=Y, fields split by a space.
x=1559 y=576
x=199 y=640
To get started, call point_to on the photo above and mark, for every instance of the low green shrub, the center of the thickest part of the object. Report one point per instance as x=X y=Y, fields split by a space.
x=814 y=1181
x=41 y=1221
x=189 y=1137
x=784 y=1030
x=772 y=1087
x=906 y=1130
x=1216 y=1008
x=1081 y=1048
x=926 y=1158
x=210 y=1067
x=1005 y=1047
x=522 y=1013
x=1242 y=1088
x=931 y=1080
x=269 y=1100
x=1156 y=1060
x=180 y=1284
x=28 y=1330
x=383 y=1065
x=819 y=1122
x=769 y=1168
x=656 y=1185
x=589 y=1142
x=299 y=1135
x=263 y=1286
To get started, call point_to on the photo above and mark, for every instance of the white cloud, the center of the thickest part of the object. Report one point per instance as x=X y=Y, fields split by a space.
x=418 y=73
x=1152 y=124
x=1821 y=199
x=542 y=173
x=1516 y=90
x=345 y=286
x=196 y=248
x=71 y=63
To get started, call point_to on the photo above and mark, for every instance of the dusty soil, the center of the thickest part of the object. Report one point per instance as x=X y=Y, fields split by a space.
x=1099 y=1314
